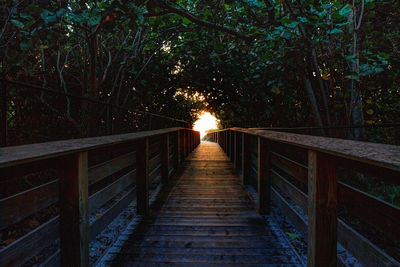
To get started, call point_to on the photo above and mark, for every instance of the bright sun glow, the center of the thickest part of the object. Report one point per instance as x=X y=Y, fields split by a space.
x=205 y=122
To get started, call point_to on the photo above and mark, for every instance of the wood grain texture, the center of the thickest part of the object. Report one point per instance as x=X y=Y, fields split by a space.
x=382 y=155
x=17 y=207
x=165 y=158
x=322 y=210
x=263 y=177
x=15 y=155
x=74 y=211
x=206 y=219
x=245 y=159
x=142 y=176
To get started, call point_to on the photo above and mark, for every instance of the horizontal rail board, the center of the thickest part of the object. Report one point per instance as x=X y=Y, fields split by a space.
x=290 y=190
x=11 y=172
x=154 y=161
x=104 y=195
x=15 y=155
x=105 y=169
x=382 y=155
x=17 y=207
x=380 y=173
x=360 y=247
x=371 y=209
x=21 y=250
x=297 y=170
x=97 y=226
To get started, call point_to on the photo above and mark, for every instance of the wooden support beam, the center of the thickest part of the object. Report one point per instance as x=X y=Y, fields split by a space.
x=142 y=176
x=263 y=176
x=74 y=214
x=176 y=150
x=235 y=150
x=245 y=158
x=322 y=209
x=164 y=158
x=181 y=145
x=3 y=114
x=229 y=144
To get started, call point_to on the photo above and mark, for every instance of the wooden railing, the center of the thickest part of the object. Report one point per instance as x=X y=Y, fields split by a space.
x=299 y=174
x=82 y=175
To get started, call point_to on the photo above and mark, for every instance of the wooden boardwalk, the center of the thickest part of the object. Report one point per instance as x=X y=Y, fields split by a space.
x=205 y=218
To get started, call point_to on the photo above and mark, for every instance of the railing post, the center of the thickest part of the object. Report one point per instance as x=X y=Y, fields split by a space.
x=3 y=114
x=226 y=142
x=235 y=150
x=182 y=145
x=263 y=176
x=186 y=143
x=322 y=209
x=230 y=144
x=74 y=214
x=245 y=159
x=191 y=140
x=142 y=176
x=164 y=158
x=176 y=151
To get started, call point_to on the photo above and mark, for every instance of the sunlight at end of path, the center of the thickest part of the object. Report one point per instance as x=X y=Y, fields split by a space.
x=205 y=122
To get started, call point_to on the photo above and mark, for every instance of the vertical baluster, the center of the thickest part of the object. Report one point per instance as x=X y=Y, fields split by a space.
x=74 y=214
x=322 y=209
x=181 y=146
x=142 y=176
x=263 y=176
x=164 y=158
x=176 y=150
x=245 y=159
x=235 y=150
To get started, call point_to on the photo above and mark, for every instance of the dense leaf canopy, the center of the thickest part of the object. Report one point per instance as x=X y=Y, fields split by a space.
x=250 y=62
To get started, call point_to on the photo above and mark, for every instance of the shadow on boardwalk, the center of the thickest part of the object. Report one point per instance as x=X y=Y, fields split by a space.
x=204 y=217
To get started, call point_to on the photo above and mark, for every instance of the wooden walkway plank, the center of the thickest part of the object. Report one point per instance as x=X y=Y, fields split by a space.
x=204 y=218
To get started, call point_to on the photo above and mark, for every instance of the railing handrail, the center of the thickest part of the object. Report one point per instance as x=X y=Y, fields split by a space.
x=381 y=155
x=308 y=170
x=80 y=183
x=15 y=155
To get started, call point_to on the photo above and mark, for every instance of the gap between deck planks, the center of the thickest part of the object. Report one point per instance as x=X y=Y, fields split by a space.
x=204 y=218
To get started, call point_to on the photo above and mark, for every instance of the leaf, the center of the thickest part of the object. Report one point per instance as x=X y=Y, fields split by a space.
x=33 y=9
x=326 y=6
x=60 y=12
x=277 y=90
x=345 y=10
x=292 y=235
x=369 y=121
x=303 y=19
x=98 y=214
x=335 y=31
x=94 y=20
x=253 y=3
x=24 y=46
x=186 y=21
x=48 y=16
x=17 y=23
x=369 y=111
x=25 y=16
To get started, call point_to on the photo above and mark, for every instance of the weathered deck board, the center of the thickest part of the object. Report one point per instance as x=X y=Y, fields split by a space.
x=204 y=217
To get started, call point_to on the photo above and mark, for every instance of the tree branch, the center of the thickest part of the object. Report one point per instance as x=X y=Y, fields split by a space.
x=200 y=22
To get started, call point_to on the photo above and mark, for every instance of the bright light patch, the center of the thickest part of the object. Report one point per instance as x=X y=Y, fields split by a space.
x=205 y=122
